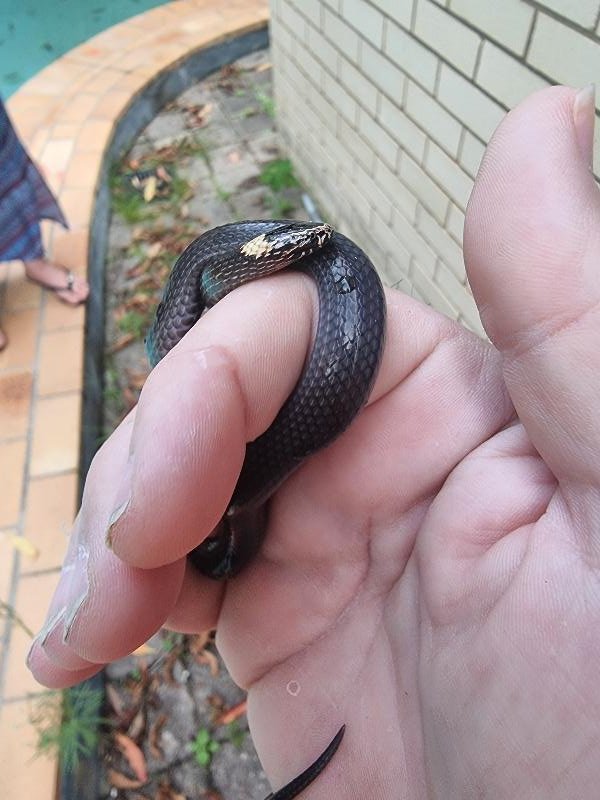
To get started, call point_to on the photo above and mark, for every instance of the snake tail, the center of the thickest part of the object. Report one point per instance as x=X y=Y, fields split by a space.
x=299 y=784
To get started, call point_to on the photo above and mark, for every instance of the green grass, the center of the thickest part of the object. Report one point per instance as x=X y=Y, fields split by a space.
x=278 y=205
x=134 y=323
x=131 y=206
x=278 y=175
x=266 y=103
x=236 y=734
x=67 y=723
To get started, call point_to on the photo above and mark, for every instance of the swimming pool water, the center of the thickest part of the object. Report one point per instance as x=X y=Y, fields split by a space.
x=35 y=32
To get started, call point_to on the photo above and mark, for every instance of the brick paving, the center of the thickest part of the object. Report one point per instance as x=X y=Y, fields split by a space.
x=66 y=115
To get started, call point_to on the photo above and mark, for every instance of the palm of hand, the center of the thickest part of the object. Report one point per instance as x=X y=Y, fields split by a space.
x=413 y=586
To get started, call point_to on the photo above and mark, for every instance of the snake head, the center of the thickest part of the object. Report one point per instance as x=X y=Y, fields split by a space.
x=285 y=241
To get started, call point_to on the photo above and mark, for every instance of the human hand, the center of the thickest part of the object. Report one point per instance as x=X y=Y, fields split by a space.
x=432 y=578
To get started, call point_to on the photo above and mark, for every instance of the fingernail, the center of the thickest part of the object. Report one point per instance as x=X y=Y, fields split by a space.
x=122 y=503
x=584 y=117
x=71 y=593
x=48 y=627
x=59 y=653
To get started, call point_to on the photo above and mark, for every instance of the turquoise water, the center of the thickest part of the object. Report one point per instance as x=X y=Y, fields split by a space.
x=35 y=32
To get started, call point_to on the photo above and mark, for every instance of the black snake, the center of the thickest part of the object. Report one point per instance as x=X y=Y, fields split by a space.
x=335 y=383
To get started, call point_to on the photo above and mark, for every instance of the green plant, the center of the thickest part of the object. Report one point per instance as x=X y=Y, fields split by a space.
x=278 y=175
x=222 y=194
x=266 y=102
x=131 y=206
x=278 y=205
x=236 y=734
x=134 y=323
x=171 y=640
x=204 y=747
x=180 y=190
x=67 y=724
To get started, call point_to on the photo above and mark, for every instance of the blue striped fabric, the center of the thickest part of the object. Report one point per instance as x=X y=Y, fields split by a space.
x=25 y=198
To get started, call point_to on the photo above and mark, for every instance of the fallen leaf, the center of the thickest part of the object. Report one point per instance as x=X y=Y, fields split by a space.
x=154 y=249
x=115 y=700
x=144 y=650
x=134 y=756
x=197 y=643
x=130 y=397
x=137 y=379
x=137 y=724
x=23 y=545
x=210 y=659
x=163 y=174
x=150 y=188
x=120 y=781
x=166 y=792
x=154 y=736
x=232 y=714
x=216 y=701
x=262 y=67
x=121 y=342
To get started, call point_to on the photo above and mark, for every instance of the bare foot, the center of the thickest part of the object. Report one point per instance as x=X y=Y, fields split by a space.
x=70 y=288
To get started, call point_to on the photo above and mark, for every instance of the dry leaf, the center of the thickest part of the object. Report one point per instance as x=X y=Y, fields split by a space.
x=137 y=724
x=154 y=249
x=198 y=642
x=23 y=545
x=163 y=174
x=115 y=700
x=210 y=659
x=121 y=342
x=150 y=188
x=130 y=397
x=166 y=792
x=134 y=756
x=262 y=67
x=144 y=650
x=154 y=736
x=232 y=714
x=120 y=781
x=137 y=379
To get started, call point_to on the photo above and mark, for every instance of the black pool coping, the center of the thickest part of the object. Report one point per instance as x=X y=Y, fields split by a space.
x=84 y=782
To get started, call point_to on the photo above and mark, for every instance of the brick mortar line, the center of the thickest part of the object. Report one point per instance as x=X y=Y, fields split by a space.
x=420 y=205
x=16 y=571
x=407 y=76
x=568 y=23
x=485 y=37
x=422 y=165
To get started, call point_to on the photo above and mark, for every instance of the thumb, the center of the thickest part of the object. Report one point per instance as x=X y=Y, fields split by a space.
x=532 y=248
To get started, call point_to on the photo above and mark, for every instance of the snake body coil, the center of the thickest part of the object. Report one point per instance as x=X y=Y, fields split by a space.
x=334 y=386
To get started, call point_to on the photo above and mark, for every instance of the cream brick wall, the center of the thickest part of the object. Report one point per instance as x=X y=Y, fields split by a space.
x=385 y=107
